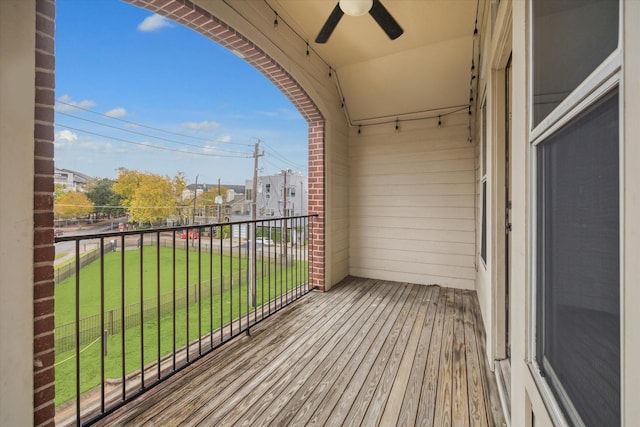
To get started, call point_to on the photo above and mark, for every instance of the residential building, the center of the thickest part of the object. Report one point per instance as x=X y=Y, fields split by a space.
x=491 y=148
x=272 y=198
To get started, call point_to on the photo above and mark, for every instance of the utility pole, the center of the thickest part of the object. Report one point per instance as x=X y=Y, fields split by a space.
x=252 y=228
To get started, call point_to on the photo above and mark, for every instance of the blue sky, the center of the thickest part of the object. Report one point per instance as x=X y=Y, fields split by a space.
x=138 y=91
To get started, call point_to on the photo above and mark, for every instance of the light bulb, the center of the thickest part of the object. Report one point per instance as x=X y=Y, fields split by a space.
x=356 y=7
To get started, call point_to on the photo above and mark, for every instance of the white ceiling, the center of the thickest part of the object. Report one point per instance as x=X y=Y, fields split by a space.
x=425 y=69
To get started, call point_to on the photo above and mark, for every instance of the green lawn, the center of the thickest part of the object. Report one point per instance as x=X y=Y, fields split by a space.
x=272 y=284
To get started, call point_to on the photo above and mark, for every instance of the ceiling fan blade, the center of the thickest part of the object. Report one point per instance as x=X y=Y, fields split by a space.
x=385 y=20
x=330 y=25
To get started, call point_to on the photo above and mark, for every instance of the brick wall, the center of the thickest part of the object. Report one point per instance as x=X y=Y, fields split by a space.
x=193 y=16
x=43 y=249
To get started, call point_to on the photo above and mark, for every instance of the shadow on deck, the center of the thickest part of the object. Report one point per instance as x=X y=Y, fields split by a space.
x=367 y=352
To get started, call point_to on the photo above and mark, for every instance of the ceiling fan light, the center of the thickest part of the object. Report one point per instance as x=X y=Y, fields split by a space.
x=356 y=7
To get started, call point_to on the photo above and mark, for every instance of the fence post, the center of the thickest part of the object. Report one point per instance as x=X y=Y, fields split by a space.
x=111 y=322
x=104 y=340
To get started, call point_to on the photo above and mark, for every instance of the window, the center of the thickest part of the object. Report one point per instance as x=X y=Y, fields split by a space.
x=589 y=33
x=292 y=191
x=249 y=194
x=578 y=322
x=267 y=190
x=577 y=197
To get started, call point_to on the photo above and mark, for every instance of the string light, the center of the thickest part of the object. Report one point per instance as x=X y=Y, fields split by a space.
x=439 y=121
x=342 y=104
x=275 y=21
x=329 y=72
x=359 y=129
x=469 y=109
x=397 y=124
x=307 y=48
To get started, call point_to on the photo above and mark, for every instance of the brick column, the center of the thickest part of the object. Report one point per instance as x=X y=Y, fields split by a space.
x=317 y=202
x=43 y=249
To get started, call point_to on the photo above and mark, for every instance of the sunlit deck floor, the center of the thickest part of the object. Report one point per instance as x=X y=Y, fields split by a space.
x=365 y=353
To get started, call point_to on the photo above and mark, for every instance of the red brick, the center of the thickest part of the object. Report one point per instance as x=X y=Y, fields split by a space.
x=40 y=308
x=45 y=60
x=44 y=377
x=46 y=8
x=42 y=236
x=46 y=358
x=43 y=183
x=43 y=272
x=44 y=253
x=44 y=395
x=45 y=25
x=44 y=417
x=43 y=219
x=43 y=201
x=43 y=290
x=44 y=113
x=44 y=132
x=44 y=42
x=44 y=325
x=44 y=342
x=45 y=97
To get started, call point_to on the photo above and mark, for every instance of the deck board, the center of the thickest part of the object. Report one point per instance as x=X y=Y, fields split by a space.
x=368 y=352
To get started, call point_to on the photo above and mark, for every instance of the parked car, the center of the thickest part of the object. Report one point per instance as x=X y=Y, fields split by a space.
x=57 y=232
x=264 y=241
x=192 y=234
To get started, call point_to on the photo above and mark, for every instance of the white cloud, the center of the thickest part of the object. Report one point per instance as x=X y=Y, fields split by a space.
x=201 y=125
x=225 y=138
x=116 y=112
x=66 y=104
x=64 y=138
x=153 y=23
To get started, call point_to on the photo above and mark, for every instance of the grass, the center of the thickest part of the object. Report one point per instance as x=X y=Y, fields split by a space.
x=90 y=375
x=90 y=292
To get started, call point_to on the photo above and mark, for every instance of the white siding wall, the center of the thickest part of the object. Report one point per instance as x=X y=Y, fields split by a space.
x=412 y=203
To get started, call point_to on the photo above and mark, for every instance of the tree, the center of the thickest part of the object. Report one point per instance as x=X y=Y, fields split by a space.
x=206 y=201
x=149 y=197
x=105 y=200
x=72 y=205
x=126 y=184
x=59 y=190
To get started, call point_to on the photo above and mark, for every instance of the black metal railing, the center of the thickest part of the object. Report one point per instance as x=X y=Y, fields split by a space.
x=135 y=307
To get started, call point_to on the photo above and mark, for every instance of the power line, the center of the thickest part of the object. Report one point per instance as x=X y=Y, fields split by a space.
x=246 y=156
x=272 y=151
x=147 y=135
x=146 y=126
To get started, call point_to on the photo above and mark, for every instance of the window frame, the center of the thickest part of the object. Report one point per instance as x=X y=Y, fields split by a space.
x=605 y=78
x=483 y=184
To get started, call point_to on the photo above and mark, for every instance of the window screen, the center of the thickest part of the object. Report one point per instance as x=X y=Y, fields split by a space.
x=578 y=273
x=570 y=39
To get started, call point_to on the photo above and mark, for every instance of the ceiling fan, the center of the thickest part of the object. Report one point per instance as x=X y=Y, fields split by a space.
x=359 y=8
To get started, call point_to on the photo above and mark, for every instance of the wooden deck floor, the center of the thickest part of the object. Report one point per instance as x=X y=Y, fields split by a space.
x=366 y=353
